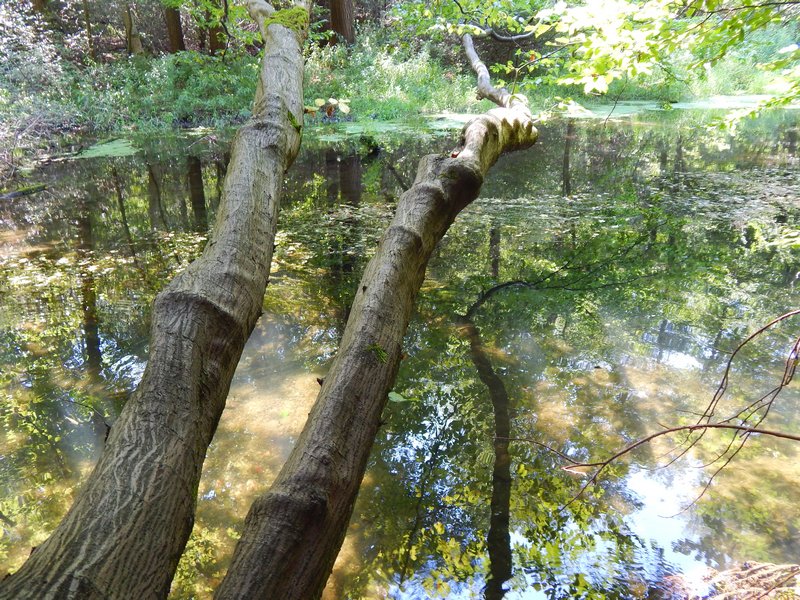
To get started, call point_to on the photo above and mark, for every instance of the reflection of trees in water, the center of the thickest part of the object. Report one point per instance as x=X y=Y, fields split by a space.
x=498 y=540
x=87 y=268
x=197 y=196
x=578 y=325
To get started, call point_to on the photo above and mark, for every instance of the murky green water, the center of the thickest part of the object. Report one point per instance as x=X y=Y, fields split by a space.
x=591 y=296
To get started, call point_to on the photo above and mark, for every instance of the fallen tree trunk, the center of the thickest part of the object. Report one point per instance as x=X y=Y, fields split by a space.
x=124 y=534
x=293 y=533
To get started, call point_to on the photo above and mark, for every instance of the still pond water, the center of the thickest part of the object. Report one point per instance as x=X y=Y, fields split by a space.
x=591 y=296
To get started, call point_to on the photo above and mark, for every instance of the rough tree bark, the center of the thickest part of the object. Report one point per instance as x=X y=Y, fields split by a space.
x=342 y=20
x=124 y=534
x=293 y=533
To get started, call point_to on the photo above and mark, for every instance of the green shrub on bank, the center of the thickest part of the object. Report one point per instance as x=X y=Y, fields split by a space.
x=43 y=95
x=383 y=82
x=176 y=90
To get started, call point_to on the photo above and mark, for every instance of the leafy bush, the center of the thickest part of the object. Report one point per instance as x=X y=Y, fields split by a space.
x=384 y=82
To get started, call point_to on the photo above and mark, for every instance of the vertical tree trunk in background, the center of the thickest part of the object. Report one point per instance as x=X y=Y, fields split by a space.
x=93 y=357
x=91 y=332
x=494 y=251
x=332 y=176
x=172 y=16
x=123 y=213
x=216 y=35
x=663 y=156
x=216 y=40
x=133 y=41
x=350 y=178
x=197 y=195
x=680 y=164
x=293 y=533
x=40 y=6
x=88 y=22
x=343 y=19
x=124 y=534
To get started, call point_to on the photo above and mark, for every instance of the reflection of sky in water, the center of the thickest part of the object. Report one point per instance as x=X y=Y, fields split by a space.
x=679 y=360
x=662 y=517
x=275 y=383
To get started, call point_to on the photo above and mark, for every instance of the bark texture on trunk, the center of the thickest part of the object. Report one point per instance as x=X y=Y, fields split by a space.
x=342 y=20
x=124 y=534
x=293 y=533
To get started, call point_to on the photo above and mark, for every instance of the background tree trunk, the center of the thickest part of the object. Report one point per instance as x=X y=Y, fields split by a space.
x=293 y=533
x=216 y=40
x=566 y=173
x=498 y=540
x=133 y=41
x=124 y=534
x=343 y=19
x=87 y=17
x=155 y=207
x=172 y=16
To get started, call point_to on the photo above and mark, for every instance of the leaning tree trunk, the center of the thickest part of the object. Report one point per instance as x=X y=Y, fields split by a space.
x=293 y=533
x=124 y=534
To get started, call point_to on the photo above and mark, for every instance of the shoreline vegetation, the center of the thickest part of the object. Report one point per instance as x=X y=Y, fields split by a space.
x=58 y=109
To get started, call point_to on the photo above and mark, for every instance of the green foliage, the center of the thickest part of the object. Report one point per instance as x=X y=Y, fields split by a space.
x=174 y=90
x=378 y=352
x=589 y=46
x=387 y=83
x=295 y=18
x=211 y=15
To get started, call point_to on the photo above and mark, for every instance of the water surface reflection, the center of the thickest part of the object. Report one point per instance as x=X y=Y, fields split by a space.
x=592 y=295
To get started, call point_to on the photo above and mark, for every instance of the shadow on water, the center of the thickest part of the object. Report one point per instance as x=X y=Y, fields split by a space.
x=592 y=294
